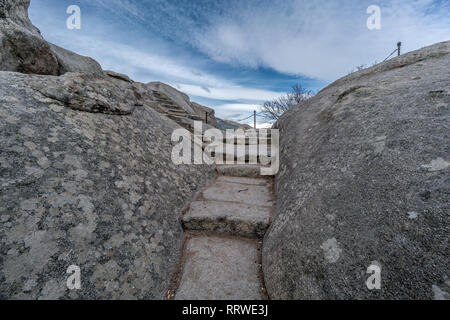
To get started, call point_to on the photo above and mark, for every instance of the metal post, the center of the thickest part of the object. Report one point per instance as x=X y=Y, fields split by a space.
x=399 y=45
x=206 y=117
x=254 y=116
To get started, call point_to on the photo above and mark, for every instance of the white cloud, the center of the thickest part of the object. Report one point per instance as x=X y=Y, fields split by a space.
x=229 y=92
x=321 y=39
x=241 y=112
x=239 y=107
x=134 y=61
x=235 y=110
x=139 y=65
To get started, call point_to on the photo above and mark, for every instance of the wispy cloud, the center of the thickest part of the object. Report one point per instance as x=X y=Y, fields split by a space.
x=236 y=110
x=144 y=66
x=321 y=39
x=230 y=92
x=215 y=50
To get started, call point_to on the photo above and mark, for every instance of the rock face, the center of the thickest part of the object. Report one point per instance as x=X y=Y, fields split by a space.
x=364 y=181
x=87 y=180
x=205 y=113
x=220 y=268
x=69 y=61
x=22 y=48
x=178 y=97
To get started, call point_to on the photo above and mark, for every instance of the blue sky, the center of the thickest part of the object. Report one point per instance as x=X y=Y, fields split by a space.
x=234 y=54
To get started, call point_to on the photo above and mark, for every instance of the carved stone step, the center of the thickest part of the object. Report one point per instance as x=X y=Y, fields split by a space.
x=220 y=268
x=240 y=170
x=228 y=218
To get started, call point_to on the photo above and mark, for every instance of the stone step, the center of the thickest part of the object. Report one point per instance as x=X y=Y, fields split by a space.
x=233 y=190
x=163 y=101
x=228 y=218
x=239 y=143
x=240 y=170
x=246 y=140
x=171 y=106
x=176 y=113
x=238 y=147
x=242 y=161
x=243 y=155
x=183 y=122
x=220 y=268
x=245 y=180
x=177 y=110
x=195 y=117
x=177 y=116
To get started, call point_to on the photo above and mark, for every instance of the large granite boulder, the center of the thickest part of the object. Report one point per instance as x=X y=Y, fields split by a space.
x=365 y=181
x=23 y=49
x=69 y=61
x=86 y=179
x=180 y=98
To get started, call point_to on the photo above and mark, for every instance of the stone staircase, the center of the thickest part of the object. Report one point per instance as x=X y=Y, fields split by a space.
x=169 y=108
x=237 y=206
x=245 y=152
x=224 y=228
x=248 y=150
x=225 y=225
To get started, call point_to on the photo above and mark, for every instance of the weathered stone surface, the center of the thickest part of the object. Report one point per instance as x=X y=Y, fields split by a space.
x=230 y=218
x=89 y=92
x=118 y=76
x=245 y=180
x=96 y=189
x=180 y=98
x=69 y=61
x=219 y=268
x=241 y=153
x=240 y=170
x=202 y=111
x=189 y=124
x=23 y=49
x=258 y=195
x=365 y=180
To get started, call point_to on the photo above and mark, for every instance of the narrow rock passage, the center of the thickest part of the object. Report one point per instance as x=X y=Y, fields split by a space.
x=221 y=259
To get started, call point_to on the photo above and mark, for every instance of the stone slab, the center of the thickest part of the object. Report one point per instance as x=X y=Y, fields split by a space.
x=240 y=170
x=228 y=218
x=219 y=268
x=242 y=193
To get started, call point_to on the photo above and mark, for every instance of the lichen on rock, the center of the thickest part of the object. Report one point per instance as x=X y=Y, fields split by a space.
x=365 y=176
x=88 y=187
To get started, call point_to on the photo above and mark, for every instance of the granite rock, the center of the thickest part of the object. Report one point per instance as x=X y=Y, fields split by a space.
x=365 y=181
x=23 y=49
x=86 y=179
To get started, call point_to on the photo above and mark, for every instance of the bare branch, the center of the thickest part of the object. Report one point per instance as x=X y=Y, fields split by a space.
x=272 y=110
